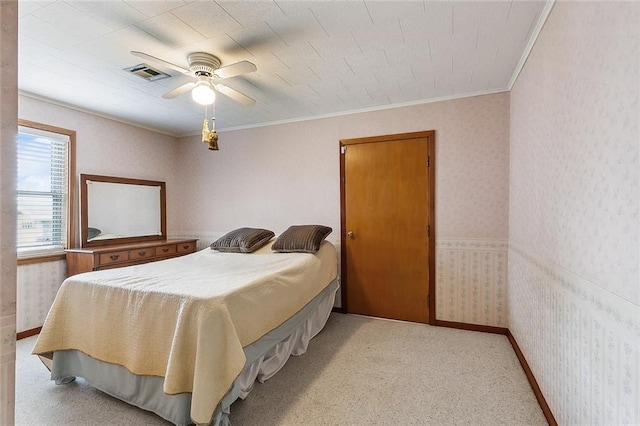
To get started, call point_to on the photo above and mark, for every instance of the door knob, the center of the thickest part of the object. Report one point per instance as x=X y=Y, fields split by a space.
x=350 y=234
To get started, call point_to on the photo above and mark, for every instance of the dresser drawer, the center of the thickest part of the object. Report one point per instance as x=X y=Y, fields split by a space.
x=142 y=253
x=186 y=247
x=114 y=257
x=165 y=250
x=84 y=259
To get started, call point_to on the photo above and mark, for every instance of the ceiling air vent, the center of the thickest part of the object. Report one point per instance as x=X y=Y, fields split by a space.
x=146 y=72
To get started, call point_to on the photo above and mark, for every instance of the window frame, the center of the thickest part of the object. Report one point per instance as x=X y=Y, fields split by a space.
x=71 y=188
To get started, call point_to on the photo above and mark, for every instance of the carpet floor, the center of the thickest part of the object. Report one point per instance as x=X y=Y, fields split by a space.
x=357 y=371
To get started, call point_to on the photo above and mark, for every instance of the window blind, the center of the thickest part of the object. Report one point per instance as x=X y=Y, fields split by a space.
x=42 y=194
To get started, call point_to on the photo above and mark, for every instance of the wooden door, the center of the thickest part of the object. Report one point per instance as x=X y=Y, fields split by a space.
x=387 y=210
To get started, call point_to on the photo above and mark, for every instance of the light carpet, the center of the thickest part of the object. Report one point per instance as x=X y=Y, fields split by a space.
x=357 y=371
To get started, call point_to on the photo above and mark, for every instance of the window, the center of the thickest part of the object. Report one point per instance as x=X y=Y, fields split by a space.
x=44 y=190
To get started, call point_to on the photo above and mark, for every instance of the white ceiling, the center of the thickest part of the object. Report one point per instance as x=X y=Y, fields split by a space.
x=314 y=58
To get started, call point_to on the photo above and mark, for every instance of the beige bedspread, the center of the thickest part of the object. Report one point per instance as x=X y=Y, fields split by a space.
x=185 y=319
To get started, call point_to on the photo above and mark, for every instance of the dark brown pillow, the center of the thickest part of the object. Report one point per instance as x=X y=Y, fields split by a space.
x=301 y=239
x=243 y=240
x=93 y=232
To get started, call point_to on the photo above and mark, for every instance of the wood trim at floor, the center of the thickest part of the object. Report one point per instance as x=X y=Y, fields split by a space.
x=532 y=381
x=472 y=327
x=523 y=362
x=28 y=333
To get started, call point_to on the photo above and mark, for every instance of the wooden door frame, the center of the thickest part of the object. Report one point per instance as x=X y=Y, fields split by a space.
x=430 y=136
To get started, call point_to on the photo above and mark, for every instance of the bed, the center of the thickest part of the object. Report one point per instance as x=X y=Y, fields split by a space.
x=185 y=337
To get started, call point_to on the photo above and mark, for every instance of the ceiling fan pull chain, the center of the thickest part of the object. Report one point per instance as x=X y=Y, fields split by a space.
x=213 y=135
x=205 y=127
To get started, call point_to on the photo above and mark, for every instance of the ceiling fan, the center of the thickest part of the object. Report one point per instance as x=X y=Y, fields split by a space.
x=206 y=72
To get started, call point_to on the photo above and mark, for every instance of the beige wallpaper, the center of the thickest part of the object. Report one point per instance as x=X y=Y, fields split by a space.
x=471 y=281
x=8 y=131
x=283 y=174
x=574 y=251
x=280 y=175
x=37 y=285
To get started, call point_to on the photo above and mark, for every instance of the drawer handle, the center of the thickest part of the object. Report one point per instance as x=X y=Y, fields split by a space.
x=185 y=246
x=114 y=256
x=142 y=253
x=164 y=250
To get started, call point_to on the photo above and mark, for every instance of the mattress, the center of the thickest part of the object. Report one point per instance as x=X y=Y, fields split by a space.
x=188 y=319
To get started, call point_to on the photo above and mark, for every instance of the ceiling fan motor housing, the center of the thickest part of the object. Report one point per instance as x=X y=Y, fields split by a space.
x=203 y=63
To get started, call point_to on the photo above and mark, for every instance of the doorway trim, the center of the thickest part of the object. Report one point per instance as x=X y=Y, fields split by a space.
x=430 y=136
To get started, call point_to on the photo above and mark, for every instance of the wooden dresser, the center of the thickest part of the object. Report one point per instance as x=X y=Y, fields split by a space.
x=115 y=256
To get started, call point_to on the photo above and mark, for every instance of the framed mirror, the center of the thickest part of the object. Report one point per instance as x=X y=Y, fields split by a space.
x=116 y=210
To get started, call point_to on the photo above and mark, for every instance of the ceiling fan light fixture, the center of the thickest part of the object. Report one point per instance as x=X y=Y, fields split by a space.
x=203 y=93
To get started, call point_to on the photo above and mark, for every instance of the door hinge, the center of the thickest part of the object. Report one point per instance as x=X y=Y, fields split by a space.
x=428 y=230
x=428 y=300
x=343 y=149
x=428 y=161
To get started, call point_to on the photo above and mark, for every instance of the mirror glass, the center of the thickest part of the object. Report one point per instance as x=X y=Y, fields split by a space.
x=119 y=210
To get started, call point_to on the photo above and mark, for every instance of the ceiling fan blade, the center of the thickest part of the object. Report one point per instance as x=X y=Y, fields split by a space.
x=161 y=62
x=242 y=67
x=235 y=95
x=179 y=90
